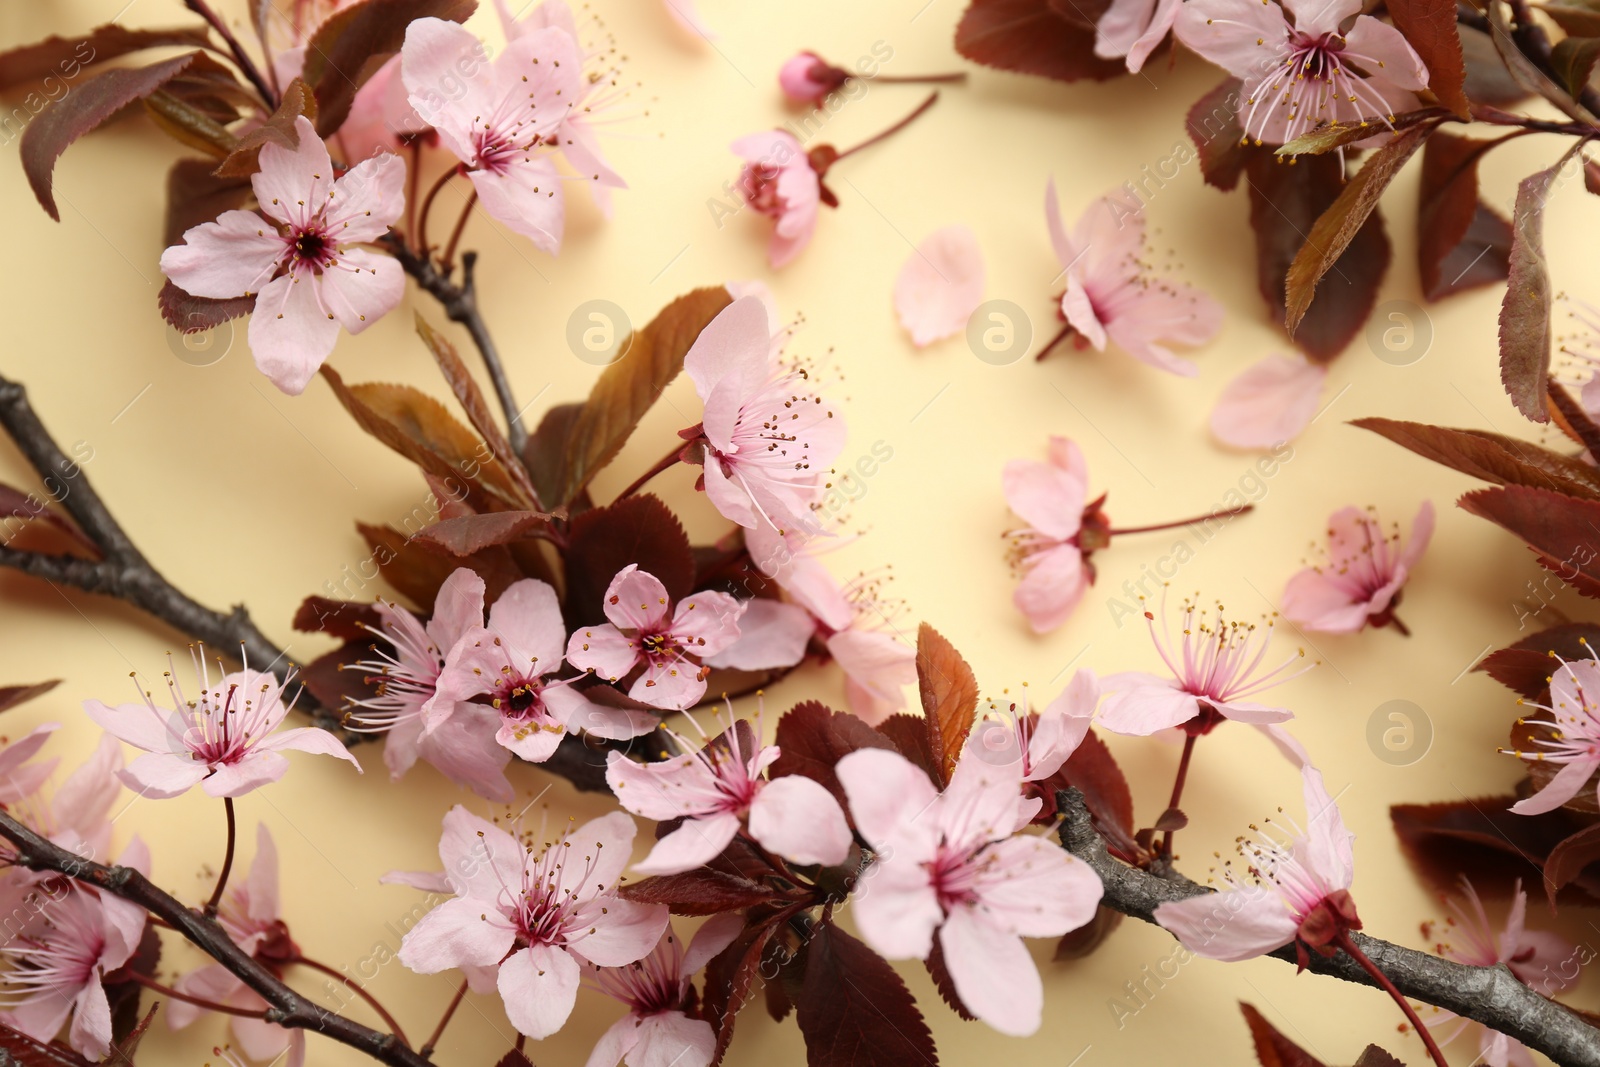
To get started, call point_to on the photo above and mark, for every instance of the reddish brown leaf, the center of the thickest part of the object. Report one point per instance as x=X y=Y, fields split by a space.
x=949 y=698
x=1525 y=311
x=123 y=1052
x=330 y=680
x=640 y=530
x=731 y=977
x=29 y=523
x=1461 y=243
x=211 y=87
x=1525 y=666
x=545 y=454
x=188 y=124
x=1050 y=38
x=1560 y=528
x=1502 y=460
x=1579 y=19
x=814 y=738
x=12 y=695
x=1076 y=944
x=699 y=892
x=1272 y=1048
x=1094 y=772
x=279 y=129
x=64 y=58
x=940 y=973
x=1285 y=202
x=466 y=535
x=1338 y=226
x=1488 y=81
x=1569 y=859
x=195 y=195
x=1430 y=27
x=348 y=620
x=1573 y=59
x=627 y=388
x=854 y=1011
x=80 y=111
x=195 y=314
x=1482 y=839
x=26 y=1052
x=473 y=402
x=417 y=569
x=1213 y=125
x=1523 y=69
x=1373 y=1056
x=908 y=735
x=350 y=45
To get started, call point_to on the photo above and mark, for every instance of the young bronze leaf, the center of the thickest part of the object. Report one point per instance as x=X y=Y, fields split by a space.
x=639 y=530
x=703 y=891
x=1524 y=667
x=1573 y=59
x=195 y=195
x=1482 y=839
x=813 y=738
x=12 y=695
x=730 y=979
x=466 y=535
x=949 y=697
x=1559 y=528
x=417 y=569
x=65 y=57
x=1076 y=944
x=28 y=523
x=351 y=44
x=854 y=1011
x=1325 y=139
x=1213 y=126
x=1285 y=202
x=1569 y=859
x=1503 y=460
x=189 y=125
x=87 y=106
x=908 y=735
x=1430 y=27
x=196 y=314
x=545 y=454
x=473 y=402
x=1578 y=19
x=1050 y=38
x=331 y=679
x=1488 y=80
x=1344 y=218
x=627 y=388
x=1272 y=1048
x=1525 y=311
x=348 y=620
x=279 y=129
x=1461 y=243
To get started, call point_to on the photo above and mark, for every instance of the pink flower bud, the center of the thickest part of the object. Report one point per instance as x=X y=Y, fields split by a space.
x=807 y=78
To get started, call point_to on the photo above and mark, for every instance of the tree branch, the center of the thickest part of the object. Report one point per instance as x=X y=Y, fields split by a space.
x=285 y=1006
x=460 y=304
x=1489 y=995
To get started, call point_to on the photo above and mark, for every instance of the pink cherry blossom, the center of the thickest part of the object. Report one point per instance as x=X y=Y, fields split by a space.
x=940 y=286
x=790 y=558
x=1297 y=891
x=647 y=631
x=1567 y=735
x=719 y=789
x=302 y=261
x=779 y=182
x=494 y=113
x=1362 y=581
x=769 y=435
x=512 y=660
x=1215 y=668
x=877 y=668
x=1051 y=551
x=806 y=78
x=55 y=965
x=537 y=914
x=20 y=775
x=1305 y=73
x=1037 y=743
x=772 y=635
x=250 y=915
x=656 y=1029
x=1134 y=28
x=687 y=14
x=950 y=864
x=591 y=95
x=1111 y=294
x=77 y=814
x=226 y=741
x=1538 y=959
x=463 y=748
x=1270 y=403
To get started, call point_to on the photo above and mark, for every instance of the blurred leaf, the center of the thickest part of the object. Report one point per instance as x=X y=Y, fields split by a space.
x=278 y=129
x=1338 y=226
x=346 y=619
x=87 y=106
x=640 y=530
x=474 y=403
x=1502 y=460
x=1050 y=38
x=854 y=1011
x=122 y=1053
x=1524 y=667
x=12 y=695
x=1569 y=859
x=702 y=891
x=908 y=735
x=29 y=523
x=514 y=1058
x=351 y=44
x=1325 y=139
x=1272 y=1048
x=195 y=195
x=940 y=973
x=949 y=698
x=417 y=569
x=1430 y=28
x=65 y=57
x=1481 y=839
x=1560 y=528
x=212 y=88
x=1579 y=18
x=730 y=977
x=1213 y=126
x=545 y=453
x=626 y=389
x=1574 y=59
x=188 y=125
x=1094 y=772
x=1570 y=417
x=1285 y=203
x=194 y=314
x=1076 y=944
x=1488 y=80
x=465 y=535
x=124 y=996
x=812 y=738
x=330 y=680
x=1461 y=243
x=1525 y=73
x=1373 y=1056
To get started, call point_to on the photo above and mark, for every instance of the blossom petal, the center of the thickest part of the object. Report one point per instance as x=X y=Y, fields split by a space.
x=293 y=185
x=671 y=1038
x=1421 y=534
x=291 y=333
x=1330 y=851
x=455 y=933
x=227 y=258
x=139 y=725
x=259 y=768
x=1384 y=53
x=940 y=286
x=362 y=288
x=604 y=650
x=368 y=199
x=162 y=776
x=891 y=801
x=897 y=909
x=738 y=337
x=1044 y=496
x=528 y=198
x=993 y=974
x=90 y=1035
x=1242 y=39
x=627 y=934
x=714 y=935
x=457 y=608
x=1270 y=403
x=636 y=600
x=1035 y=889
x=1567 y=783
x=798 y=818
x=772 y=634
x=433 y=58
x=669 y=686
x=879 y=666
x=1051 y=588
x=1319 y=602
x=528 y=616
x=694 y=844
x=1230 y=926
x=708 y=622
x=539 y=985
x=1143 y=704
x=480 y=858
x=310 y=739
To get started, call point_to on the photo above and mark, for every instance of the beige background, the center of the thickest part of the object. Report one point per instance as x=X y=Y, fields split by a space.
x=242 y=494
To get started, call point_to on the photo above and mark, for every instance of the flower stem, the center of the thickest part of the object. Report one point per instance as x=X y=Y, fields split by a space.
x=953 y=78
x=1350 y=949
x=1177 y=788
x=241 y=58
x=199 y=1002
x=1066 y=331
x=359 y=990
x=227 y=864
x=671 y=459
x=447 y=260
x=427 y=206
x=1225 y=514
x=896 y=128
x=438 y=1031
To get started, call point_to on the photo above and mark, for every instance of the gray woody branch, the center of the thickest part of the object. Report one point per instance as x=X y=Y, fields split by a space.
x=1489 y=995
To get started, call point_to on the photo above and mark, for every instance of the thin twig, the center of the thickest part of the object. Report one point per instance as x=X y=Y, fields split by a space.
x=285 y=1007
x=444 y=1021
x=359 y=990
x=1489 y=995
x=246 y=65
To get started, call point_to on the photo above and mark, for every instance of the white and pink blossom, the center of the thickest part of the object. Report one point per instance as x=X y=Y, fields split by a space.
x=1050 y=551
x=949 y=865
x=1568 y=738
x=940 y=285
x=1039 y=744
x=657 y=1030
x=1361 y=583
x=778 y=181
x=1134 y=29
x=535 y=914
x=303 y=261
x=1269 y=403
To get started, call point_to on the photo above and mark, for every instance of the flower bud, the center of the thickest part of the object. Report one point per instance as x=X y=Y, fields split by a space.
x=807 y=78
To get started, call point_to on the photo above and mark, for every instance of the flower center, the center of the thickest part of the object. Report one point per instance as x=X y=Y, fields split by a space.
x=313 y=248
x=954 y=875
x=1316 y=58
x=759 y=186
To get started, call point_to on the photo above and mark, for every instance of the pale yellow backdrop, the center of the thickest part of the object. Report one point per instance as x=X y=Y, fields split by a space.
x=242 y=494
